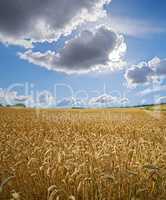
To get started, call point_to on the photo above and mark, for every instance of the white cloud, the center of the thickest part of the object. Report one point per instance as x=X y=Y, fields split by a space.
x=124 y=100
x=107 y=99
x=43 y=99
x=12 y=97
x=161 y=99
x=103 y=99
x=40 y=99
x=7 y=95
x=100 y=50
x=65 y=102
x=154 y=89
x=21 y=98
x=158 y=65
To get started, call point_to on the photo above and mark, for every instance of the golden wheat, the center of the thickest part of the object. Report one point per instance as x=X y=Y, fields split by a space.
x=82 y=155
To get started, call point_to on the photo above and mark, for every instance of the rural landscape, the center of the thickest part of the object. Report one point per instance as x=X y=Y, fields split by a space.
x=82 y=154
x=82 y=100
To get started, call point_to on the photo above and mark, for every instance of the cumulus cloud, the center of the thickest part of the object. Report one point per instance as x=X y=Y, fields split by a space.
x=98 y=50
x=21 y=98
x=40 y=99
x=103 y=99
x=124 y=100
x=70 y=102
x=12 y=96
x=44 y=99
x=138 y=74
x=7 y=95
x=65 y=102
x=158 y=65
x=108 y=99
x=145 y=72
x=42 y=20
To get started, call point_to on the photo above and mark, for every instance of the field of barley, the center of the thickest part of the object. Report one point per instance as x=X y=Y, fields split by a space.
x=103 y=154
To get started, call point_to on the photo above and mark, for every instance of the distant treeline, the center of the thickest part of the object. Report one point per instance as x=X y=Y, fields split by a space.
x=21 y=105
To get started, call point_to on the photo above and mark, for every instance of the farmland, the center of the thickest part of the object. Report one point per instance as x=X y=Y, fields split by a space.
x=95 y=154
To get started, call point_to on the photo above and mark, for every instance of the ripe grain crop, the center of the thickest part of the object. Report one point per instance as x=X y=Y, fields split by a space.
x=117 y=154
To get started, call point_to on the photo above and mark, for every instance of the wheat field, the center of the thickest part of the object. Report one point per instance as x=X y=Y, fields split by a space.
x=103 y=154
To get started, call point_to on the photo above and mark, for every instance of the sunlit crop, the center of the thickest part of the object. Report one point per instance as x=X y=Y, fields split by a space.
x=82 y=155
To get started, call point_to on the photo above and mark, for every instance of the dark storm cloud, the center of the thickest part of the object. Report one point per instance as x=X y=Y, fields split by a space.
x=42 y=19
x=87 y=51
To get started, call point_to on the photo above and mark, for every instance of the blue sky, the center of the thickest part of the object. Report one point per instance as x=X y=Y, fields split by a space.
x=142 y=25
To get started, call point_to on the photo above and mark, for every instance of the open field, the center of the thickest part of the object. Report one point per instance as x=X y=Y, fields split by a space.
x=160 y=107
x=117 y=154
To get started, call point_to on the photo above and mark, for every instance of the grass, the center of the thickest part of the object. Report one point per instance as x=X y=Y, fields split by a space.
x=81 y=154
